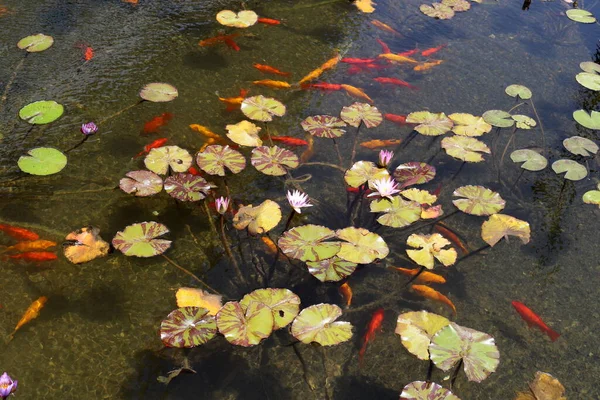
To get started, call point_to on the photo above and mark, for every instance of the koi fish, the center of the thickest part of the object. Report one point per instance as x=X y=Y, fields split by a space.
x=408 y=53
x=270 y=70
x=268 y=21
x=308 y=153
x=432 y=294
x=234 y=103
x=384 y=27
x=451 y=236
x=205 y=145
x=384 y=47
x=231 y=44
x=193 y=171
x=374 y=326
x=321 y=86
x=398 y=119
x=398 y=58
x=395 y=81
x=428 y=52
x=133 y=2
x=32 y=312
x=358 y=60
x=346 y=292
x=19 y=233
x=332 y=62
x=156 y=122
x=357 y=68
x=290 y=141
x=428 y=65
x=424 y=277
x=314 y=74
x=204 y=131
x=378 y=143
x=356 y=92
x=39 y=244
x=36 y=256
x=217 y=39
x=532 y=320
x=88 y=52
x=273 y=84
x=155 y=144
x=357 y=190
x=271 y=246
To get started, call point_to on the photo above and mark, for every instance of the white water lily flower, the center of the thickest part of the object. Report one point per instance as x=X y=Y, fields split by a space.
x=298 y=200
x=385 y=187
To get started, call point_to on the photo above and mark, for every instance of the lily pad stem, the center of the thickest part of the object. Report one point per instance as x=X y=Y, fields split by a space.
x=173 y=263
x=209 y=216
x=129 y=107
x=337 y=150
x=414 y=278
x=11 y=81
x=355 y=143
x=289 y=220
x=510 y=139
x=324 y=164
x=541 y=126
x=78 y=144
x=238 y=271
x=517 y=180
x=455 y=374
x=458 y=171
x=268 y=133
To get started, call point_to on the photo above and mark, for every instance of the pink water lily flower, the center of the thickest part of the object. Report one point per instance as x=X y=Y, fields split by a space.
x=385 y=156
x=298 y=200
x=7 y=386
x=385 y=187
x=222 y=204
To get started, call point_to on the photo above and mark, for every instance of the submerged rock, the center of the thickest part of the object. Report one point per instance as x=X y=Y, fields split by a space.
x=84 y=245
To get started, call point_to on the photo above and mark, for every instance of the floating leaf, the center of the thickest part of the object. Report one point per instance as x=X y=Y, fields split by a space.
x=432 y=212
x=331 y=270
x=478 y=200
x=41 y=112
x=457 y=5
x=243 y=19
x=244 y=133
x=580 y=146
x=187 y=327
x=413 y=173
x=318 y=324
x=582 y=16
x=366 y=6
x=589 y=80
x=261 y=108
x=546 y=387
x=477 y=350
x=532 y=160
x=430 y=124
x=158 y=92
x=356 y=113
x=398 y=213
x=283 y=303
x=259 y=219
x=141 y=183
x=324 y=126
x=524 y=122
x=468 y=124
x=85 y=245
x=245 y=326
x=592 y=197
x=187 y=187
x=363 y=172
x=574 y=170
x=591 y=67
x=140 y=239
x=590 y=121
x=160 y=159
x=437 y=11
x=465 y=148
x=416 y=328
x=273 y=160
x=215 y=158
x=430 y=246
x=35 y=43
x=518 y=91
x=500 y=226
x=192 y=297
x=308 y=243
x=419 y=196
x=42 y=161
x=498 y=118
x=361 y=246
x=421 y=390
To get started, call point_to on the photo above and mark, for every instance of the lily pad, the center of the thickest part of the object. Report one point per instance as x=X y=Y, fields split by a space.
x=140 y=239
x=283 y=303
x=524 y=122
x=421 y=390
x=160 y=159
x=242 y=19
x=187 y=327
x=574 y=170
x=259 y=219
x=324 y=126
x=469 y=125
x=582 y=16
x=356 y=113
x=589 y=80
x=476 y=349
x=158 y=92
x=518 y=91
x=478 y=200
x=308 y=243
x=42 y=161
x=437 y=11
x=361 y=246
x=413 y=173
x=187 y=187
x=416 y=328
x=273 y=160
x=363 y=172
x=592 y=197
x=215 y=158
x=430 y=124
x=193 y=297
x=590 y=121
x=580 y=146
x=332 y=269
x=457 y=5
x=498 y=118
x=318 y=324
x=41 y=112
x=141 y=183
x=244 y=133
x=261 y=108
x=532 y=160
x=430 y=246
x=245 y=326
x=591 y=67
x=398 y=213
x=465 y=148
x=546 y=387
x=500 y=226
x=419 y=196
x=35 y=43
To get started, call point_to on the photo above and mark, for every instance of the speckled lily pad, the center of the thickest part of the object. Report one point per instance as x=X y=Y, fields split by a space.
x=141 y=239
x=141 y=183
x=187 y=327
x=187 y=187
x=273 y=160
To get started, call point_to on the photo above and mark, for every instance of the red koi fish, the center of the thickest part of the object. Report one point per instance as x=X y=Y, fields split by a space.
x=88 y=53
x=231 y=44
x=157 y=143
x=269 y=21
x=156 y=122
x=348 y=60
x=395 y=118
x=356 y=190
x=384 y=47
x=36 y=256
x=532 y=320
x=395 y=81
x=270 y=70
x=217 y=39
x=290 y=141
x=408 y=53
x=321 y=86
x=193 y=171
x=374 y=326
x=428 y=52
x=346 y=291
x=19 y=233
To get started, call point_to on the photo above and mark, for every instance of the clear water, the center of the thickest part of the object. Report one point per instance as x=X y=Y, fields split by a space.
x=97 y=337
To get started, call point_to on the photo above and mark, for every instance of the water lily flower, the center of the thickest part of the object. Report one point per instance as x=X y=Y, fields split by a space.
x=385 y=156
x=298 y=200
x=7 y=386
x=222 y=204
x=385 y=187
x=89 y=129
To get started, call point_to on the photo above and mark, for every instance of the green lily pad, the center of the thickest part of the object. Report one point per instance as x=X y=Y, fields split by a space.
x=187 y=327
x=591 y=67
x=430 y=124
x=422 y=197
x=356 y=113
x=413 y=173
x=283 y=303
x=273 y=160
x=324 y=126
x=524 y=122
x=465 y=148
x=259 y=219
x=261 y=108
x=35 y=43
x=140 y=239
x=215 y=158
x=245 y=326
x=42 y=161
x=187 y=187
x=318 y=324
x=308 y=243
x=574 y=170
x=532 y=160
x=159 y=92
x=398 y=212
x=583 y=16
x=498 y=118
x=457 y=5
x=590 y=121
x=478 y=200
x=363 y=172
x=469 y=125
x=141 y=183
x=589 y=80
x=592 y=197
x=580 y=146
x=500 y=226
x=331 y=270
x=421 y=390
x=41 y=112
x=361 y=246
x=476 y=349
x=518 y=91
x=437 y=11
x=159 y=160
x=416 y=328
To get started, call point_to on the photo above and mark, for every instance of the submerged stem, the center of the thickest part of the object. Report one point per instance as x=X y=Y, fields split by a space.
x=120 y=112
x=11 y=81
x=355 y=143
x=238 y=271
x=173 y=263
x=541 y=126
x=337 y=150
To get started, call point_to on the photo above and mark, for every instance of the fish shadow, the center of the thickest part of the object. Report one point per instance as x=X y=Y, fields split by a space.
x=353 y=388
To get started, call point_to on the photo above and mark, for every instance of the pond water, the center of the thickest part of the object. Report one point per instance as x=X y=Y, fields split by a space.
x=97 y=336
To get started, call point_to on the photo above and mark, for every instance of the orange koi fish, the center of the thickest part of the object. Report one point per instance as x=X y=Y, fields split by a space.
x=424 y=277
x=332 y=62
x=39 y=244
x=428 y=52
x=408 y=53
x=234 y=103
x=308 y=153
x=133 y=2
x=451 y=236
x=321 y=86
x=428 y=65
x=156 y=122
x=314 y=74
x=358 y=68
x=356 y=92
x=270 y=70
x=231 y=44
x=273 y=84
x=155 y=144
x=384 y=27
x=269 y=21
x=395 y=81
x=88 y=52
x=208 y=143
x=432 y=294
x=36 y=256
x=431 y=212
x=19 y=233
x=532 y=319
x=271 y=246
x=348 y=60
x=32 y=312
x=290 y=141
x=398 y=58
x=384 y=47
x=398 y=119
x=346 y=292
x=374 y=326
x=204 y=131
x=217 y=39
x=378 y=143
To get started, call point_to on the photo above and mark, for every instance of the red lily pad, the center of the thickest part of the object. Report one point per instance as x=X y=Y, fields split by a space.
x=187 y=187
x=188 y=327
x=273 y=160
x=141 y=183
x=215 y=158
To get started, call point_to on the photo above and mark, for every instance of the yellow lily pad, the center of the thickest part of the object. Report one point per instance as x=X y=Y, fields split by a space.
x=419 y=196
x=416 y=328
x=259 y=219
x=318 y=324
x=500 y=226
x=363 y=172
x=465 y=148
x=244 y=133
x=398 y=212
x=469 y=125
x=430 y=124
x=478 y=200
x=361 y=246
x=431 y=246
x=243 y=19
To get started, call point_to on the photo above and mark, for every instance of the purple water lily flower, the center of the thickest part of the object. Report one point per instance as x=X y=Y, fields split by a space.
x=89 y=129
x=222 y=204
x=7 y=386
x=385 y=156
